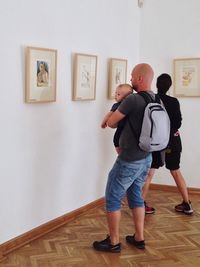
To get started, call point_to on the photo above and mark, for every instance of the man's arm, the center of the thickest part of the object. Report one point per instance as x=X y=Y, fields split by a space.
x=177 y=119
x=115 y=118
x=104 y=122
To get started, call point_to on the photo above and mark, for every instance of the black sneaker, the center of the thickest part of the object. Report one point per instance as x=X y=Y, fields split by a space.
x=105 y=245
x=148 y=210
x=138 y=244
x=185 y=207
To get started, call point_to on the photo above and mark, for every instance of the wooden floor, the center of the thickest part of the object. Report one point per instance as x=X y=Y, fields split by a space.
x=172 y=240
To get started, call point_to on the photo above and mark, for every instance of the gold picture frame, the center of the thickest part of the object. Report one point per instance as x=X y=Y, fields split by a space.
x=41 y=67
x=187 y=77
x=85 y=73
x=117 y=75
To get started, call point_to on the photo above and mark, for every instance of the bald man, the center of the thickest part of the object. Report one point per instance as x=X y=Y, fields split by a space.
x=131 y=167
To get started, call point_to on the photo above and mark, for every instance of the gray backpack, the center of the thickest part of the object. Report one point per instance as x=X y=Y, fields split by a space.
x=155 y=131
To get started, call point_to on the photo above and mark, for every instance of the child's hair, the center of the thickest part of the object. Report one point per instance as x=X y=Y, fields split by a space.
x=126 y=86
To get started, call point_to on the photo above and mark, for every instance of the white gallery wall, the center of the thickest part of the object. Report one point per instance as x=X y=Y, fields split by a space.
x=169 y=29
x=54 y=157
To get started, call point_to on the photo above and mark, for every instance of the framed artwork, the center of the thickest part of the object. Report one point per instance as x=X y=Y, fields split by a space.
x=187 y=77
x=85 y=72
x=41 y=65
x=117 y=75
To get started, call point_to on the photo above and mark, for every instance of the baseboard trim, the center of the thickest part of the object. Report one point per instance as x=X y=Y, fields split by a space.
x=43 y=229
x=172 y=188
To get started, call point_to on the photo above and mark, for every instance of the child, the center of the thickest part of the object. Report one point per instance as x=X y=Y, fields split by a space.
x=122 y=91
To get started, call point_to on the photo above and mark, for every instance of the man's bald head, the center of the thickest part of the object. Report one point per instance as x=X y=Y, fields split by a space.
x=142 y=77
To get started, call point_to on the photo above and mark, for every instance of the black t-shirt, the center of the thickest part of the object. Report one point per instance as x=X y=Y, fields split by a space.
x=173 y=109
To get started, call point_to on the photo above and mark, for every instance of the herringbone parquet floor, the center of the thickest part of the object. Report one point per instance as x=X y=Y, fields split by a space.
x=172 y=240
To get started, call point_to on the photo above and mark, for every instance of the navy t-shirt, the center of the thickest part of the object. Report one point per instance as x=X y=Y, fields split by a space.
x=120 y=126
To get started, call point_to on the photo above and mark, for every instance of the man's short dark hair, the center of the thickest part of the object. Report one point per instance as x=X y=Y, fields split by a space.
x=164 y=82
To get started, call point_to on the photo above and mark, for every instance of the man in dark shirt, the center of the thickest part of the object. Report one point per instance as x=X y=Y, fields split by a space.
x=174 y=148
x=131 y=167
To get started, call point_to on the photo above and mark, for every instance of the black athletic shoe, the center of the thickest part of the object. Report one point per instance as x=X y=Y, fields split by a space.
x=138 y=244
x=185 y=207
x=105 y=245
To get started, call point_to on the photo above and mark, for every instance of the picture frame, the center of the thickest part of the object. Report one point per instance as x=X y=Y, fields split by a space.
x=85 y=75
x=117 y=75
x=187 y=77
x=41 y=72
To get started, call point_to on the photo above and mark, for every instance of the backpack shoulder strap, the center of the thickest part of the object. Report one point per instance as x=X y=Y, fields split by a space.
x=157 y=99
x=147 y=97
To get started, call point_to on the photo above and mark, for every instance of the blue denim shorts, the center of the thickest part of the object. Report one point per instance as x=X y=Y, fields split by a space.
x=126 y=177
